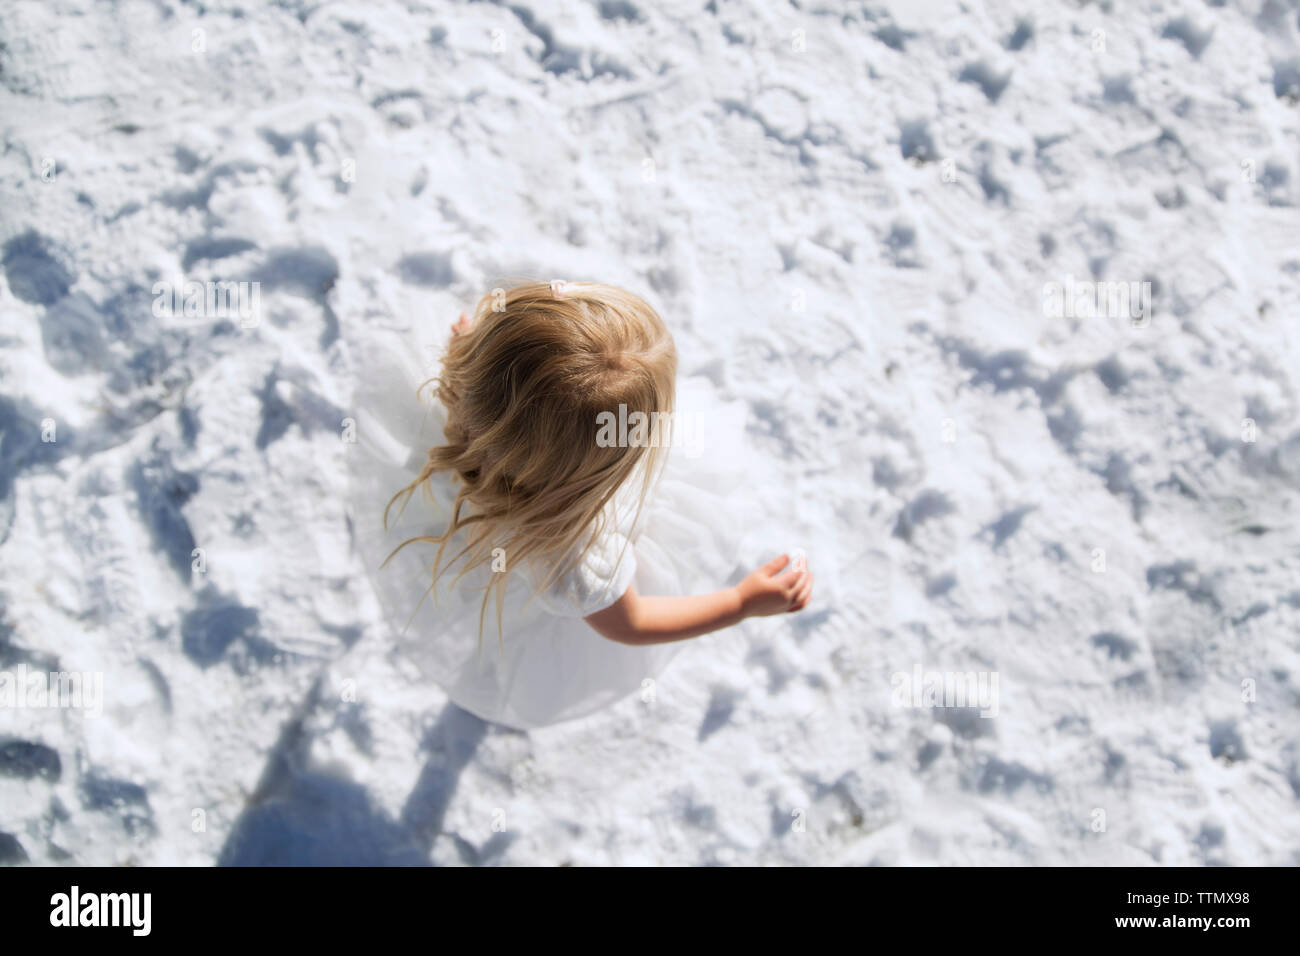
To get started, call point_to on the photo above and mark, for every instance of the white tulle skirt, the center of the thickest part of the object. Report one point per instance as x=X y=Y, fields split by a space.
x=541 y=667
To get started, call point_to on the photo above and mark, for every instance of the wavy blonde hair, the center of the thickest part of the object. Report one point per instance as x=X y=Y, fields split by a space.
x=524 y=389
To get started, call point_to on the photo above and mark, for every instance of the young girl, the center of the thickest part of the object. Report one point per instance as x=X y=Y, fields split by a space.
x=560 y=523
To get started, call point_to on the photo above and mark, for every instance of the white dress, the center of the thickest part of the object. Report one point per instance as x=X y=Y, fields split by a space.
x=546 y=664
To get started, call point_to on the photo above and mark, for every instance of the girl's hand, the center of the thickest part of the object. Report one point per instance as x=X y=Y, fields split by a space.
x=770 y=591
x=461 y=325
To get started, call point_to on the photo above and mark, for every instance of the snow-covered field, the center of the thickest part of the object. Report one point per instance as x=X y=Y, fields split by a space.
x=852 y=218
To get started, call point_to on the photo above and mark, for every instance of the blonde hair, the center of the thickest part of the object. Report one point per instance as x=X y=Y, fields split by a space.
x=524 y=389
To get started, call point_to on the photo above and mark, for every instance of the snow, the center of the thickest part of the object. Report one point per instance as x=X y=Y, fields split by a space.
x=849 y=216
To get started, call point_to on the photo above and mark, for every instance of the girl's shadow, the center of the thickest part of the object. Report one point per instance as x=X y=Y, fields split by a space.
x=299 y=816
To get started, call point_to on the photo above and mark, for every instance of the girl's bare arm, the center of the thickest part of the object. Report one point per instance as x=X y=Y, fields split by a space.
x=648 y=619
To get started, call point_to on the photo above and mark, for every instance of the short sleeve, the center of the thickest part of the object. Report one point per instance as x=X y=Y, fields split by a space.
x=602 y=577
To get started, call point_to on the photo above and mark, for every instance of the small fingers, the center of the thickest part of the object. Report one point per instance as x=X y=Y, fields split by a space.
x=791 y=580
x=804 y=593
